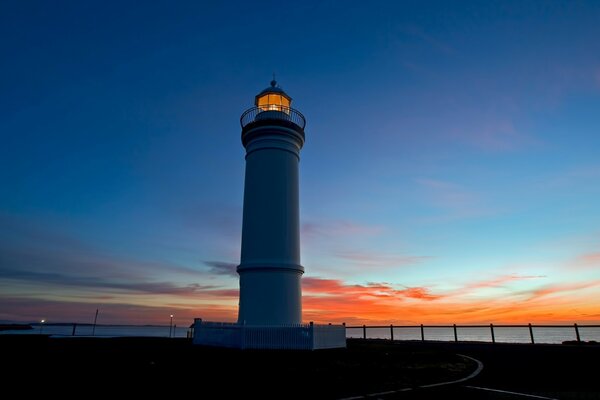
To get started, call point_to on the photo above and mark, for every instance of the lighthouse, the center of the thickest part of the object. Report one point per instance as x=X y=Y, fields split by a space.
x=270 y=304
x=270 y=269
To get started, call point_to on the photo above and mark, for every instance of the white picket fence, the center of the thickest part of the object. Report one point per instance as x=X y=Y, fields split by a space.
x=283 y=337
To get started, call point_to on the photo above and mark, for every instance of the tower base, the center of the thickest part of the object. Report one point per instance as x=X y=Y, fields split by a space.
x=283 y=337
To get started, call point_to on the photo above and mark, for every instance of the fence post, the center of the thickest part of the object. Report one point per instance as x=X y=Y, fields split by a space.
x=75 y=327
x=243 y=345
x=364 y=331
x=492 y=331
x=455 y=334
x=531 y=334
x=422 y=333
x=577 y=333
x=392 y=332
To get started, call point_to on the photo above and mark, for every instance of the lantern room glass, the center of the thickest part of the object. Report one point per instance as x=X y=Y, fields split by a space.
x=273 y=102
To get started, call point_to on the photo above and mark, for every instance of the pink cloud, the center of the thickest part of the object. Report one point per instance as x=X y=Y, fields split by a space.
x=588 y=260
x=420 y=293
x=329 y=287
x=220 y=294
x=499 y=281
x=550 y=290
x=333 y=300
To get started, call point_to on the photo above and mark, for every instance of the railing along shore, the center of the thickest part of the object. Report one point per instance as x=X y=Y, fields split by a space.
x=575 y=327
x=490 y=333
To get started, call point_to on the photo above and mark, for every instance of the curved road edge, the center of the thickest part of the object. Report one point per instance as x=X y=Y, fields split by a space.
x=470 y=376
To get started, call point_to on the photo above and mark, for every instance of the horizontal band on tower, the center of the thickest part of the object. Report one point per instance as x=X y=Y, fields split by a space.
x=273 y=142
x=255 y=131
x=271 y=267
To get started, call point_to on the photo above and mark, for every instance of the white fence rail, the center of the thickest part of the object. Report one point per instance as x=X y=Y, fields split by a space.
x=282 y=337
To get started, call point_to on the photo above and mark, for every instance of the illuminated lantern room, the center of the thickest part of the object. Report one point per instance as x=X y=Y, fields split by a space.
x=273 y=98
x=272 y=105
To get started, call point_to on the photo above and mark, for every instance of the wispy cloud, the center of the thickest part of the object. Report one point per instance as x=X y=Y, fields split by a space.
x=335 y=287
x=350 y=243
x=338 y=228
x=449 y=195
x=29 y=246
x=374 y=259
x=192 y=289
x=495 y=135
x=333 y=300
x=559 y=289
x=66 y=280
x=575 y=178
x=587 y=260
x=330 y=300
x=222 y=268
x=47 y=266
x=454 y=200
x=32 y=310
x=420 y=293
x=498 y=281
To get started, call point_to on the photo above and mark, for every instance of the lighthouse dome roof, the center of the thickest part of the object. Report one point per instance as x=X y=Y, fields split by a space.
x=274 y=88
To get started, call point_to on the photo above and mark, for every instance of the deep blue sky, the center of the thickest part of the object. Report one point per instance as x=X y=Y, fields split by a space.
x=452 y=155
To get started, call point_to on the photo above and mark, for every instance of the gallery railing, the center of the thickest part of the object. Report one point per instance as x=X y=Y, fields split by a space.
x=272 y=112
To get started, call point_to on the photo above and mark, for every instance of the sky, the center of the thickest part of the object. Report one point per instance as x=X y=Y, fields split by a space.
x=451 y=170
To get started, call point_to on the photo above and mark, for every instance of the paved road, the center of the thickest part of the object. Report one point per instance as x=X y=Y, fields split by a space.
x=520 y=371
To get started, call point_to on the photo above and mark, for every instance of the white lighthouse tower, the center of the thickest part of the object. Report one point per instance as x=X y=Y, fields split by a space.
x=270 y=306
x=270 y=270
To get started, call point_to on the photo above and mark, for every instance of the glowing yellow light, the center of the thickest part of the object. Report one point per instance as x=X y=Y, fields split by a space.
x=273 y=102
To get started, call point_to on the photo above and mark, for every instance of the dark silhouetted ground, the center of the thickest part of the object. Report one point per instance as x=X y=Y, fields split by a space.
x=125 y=367
x=175 y=365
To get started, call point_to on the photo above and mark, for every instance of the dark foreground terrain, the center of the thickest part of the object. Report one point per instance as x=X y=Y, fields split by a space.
x=175 y=366
x=519 y=371
x=125 y=367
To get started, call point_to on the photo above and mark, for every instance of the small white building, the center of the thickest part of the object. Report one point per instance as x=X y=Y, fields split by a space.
x=270 y=307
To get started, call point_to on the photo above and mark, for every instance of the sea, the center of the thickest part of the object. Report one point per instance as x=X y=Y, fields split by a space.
x=478 y=334
x=102 y=330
